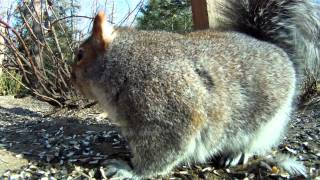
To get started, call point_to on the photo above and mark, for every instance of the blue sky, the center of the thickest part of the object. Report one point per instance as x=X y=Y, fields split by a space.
x=121 y=9
x=90 y=7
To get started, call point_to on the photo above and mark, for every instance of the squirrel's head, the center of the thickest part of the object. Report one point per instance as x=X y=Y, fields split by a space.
x=87 y=63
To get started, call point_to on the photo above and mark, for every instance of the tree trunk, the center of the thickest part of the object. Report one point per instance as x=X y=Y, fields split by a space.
x=200 y=14
x=205 y=13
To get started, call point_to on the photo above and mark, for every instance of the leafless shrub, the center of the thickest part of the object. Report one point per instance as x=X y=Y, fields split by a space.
x=41 y=47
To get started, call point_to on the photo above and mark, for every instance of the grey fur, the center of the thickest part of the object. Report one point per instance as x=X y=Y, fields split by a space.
x=293 y=25
x=186 y=98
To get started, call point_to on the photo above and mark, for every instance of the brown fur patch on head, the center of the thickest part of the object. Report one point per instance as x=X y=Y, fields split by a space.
x=86 y=56
x=90 y=50
x=102 y=31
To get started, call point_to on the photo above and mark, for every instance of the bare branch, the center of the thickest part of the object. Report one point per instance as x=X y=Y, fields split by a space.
x=68 y=17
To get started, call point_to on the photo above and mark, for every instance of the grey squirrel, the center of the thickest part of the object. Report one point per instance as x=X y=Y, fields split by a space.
x=185 y=98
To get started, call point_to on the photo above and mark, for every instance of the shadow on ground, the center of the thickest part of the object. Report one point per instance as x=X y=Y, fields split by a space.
x=59 y=140
x=69 y=143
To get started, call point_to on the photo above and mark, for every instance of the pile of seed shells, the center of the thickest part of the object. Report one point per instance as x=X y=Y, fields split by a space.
x=69 y=157
x=77 y=144
x=303 y=140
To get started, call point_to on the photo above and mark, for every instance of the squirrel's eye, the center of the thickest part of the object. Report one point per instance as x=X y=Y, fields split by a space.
x=80 y=54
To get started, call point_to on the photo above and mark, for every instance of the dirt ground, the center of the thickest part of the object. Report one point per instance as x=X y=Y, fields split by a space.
x=38 y=141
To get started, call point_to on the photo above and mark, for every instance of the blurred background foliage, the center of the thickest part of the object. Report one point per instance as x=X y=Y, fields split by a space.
x=168 y=15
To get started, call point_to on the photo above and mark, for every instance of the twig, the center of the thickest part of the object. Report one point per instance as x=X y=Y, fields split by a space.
x=130 y=13
x=14 y=78
x=135 y=17
x=23 y=45
x=30 y=29
x=17 y=56
x=67 y=17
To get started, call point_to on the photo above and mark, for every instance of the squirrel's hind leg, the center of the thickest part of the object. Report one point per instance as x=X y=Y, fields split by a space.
x=270 y=134
x=156 y=151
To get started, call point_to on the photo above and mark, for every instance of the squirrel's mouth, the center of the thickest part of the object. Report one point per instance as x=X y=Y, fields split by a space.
x=82 y=86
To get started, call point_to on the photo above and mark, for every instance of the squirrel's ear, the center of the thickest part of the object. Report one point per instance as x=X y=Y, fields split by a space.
x=102 y=31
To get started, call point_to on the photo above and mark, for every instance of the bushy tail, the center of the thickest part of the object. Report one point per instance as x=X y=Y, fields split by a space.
x=293 y=25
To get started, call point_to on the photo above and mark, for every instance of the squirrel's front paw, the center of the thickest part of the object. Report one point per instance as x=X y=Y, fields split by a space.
x=118 y=170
